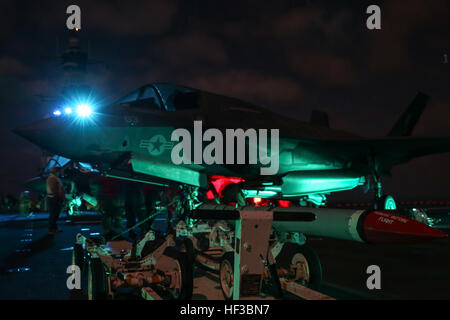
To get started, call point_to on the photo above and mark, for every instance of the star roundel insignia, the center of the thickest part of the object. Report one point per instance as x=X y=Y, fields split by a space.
x=156 y=143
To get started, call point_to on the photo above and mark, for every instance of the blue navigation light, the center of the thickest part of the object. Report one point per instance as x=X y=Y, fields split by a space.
x=22 y=269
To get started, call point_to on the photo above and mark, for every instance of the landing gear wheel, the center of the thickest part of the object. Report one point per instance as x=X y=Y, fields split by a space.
x=386 y=202
x=78 y=257
x=226 y=275
x=182 y=275
x=97 y=281
x=300 y=263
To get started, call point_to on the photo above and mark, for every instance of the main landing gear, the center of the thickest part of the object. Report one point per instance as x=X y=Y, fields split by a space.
x=382 y=201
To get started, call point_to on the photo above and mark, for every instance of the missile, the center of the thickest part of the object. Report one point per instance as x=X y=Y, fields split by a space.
x=369 y=226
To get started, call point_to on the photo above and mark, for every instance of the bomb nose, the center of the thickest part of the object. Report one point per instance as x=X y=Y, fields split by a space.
x=387 y=227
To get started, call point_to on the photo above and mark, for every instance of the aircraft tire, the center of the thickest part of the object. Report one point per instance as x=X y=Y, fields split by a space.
x=292 y=252
x=386 y=202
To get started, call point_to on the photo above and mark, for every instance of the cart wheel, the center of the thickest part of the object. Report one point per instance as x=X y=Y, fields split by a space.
x=78 y=257
x=97 y=281
x=182 y=277
x=300 y=263
x=226 y=275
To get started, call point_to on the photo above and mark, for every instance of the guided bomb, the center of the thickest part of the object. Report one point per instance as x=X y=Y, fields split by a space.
x=370 y=226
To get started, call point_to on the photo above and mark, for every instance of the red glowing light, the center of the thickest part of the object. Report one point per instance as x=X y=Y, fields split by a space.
x=210 y=195
x=257 y=200
x=220 y=182
x=284 y=203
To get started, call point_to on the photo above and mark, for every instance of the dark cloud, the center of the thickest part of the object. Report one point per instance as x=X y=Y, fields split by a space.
x=291 y=56
x=11 y=67
x=403 y=25
x=189 y=49
x=313 y=26
x=120 y=18
x=251 y=86
x=324 y=67
x=132 y=19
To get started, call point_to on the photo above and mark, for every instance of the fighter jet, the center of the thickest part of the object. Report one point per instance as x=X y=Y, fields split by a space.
x=134 y=138
x=229 y=150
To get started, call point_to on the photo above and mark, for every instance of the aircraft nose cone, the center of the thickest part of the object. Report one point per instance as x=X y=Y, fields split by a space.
x=79 y=140
x=39 y=132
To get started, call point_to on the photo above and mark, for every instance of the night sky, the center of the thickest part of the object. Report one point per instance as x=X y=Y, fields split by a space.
x=289 y=56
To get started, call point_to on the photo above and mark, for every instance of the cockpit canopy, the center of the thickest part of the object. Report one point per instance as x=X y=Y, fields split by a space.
x=165 y=96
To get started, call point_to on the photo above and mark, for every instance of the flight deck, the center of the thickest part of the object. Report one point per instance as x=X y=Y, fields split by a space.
x=33 y=265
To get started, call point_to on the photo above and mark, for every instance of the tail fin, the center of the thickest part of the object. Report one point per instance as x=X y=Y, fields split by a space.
x=408 y=120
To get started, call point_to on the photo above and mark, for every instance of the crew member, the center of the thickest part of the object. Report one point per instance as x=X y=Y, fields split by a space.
x=172 y=199
x=110 y=206
x=55 y=198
